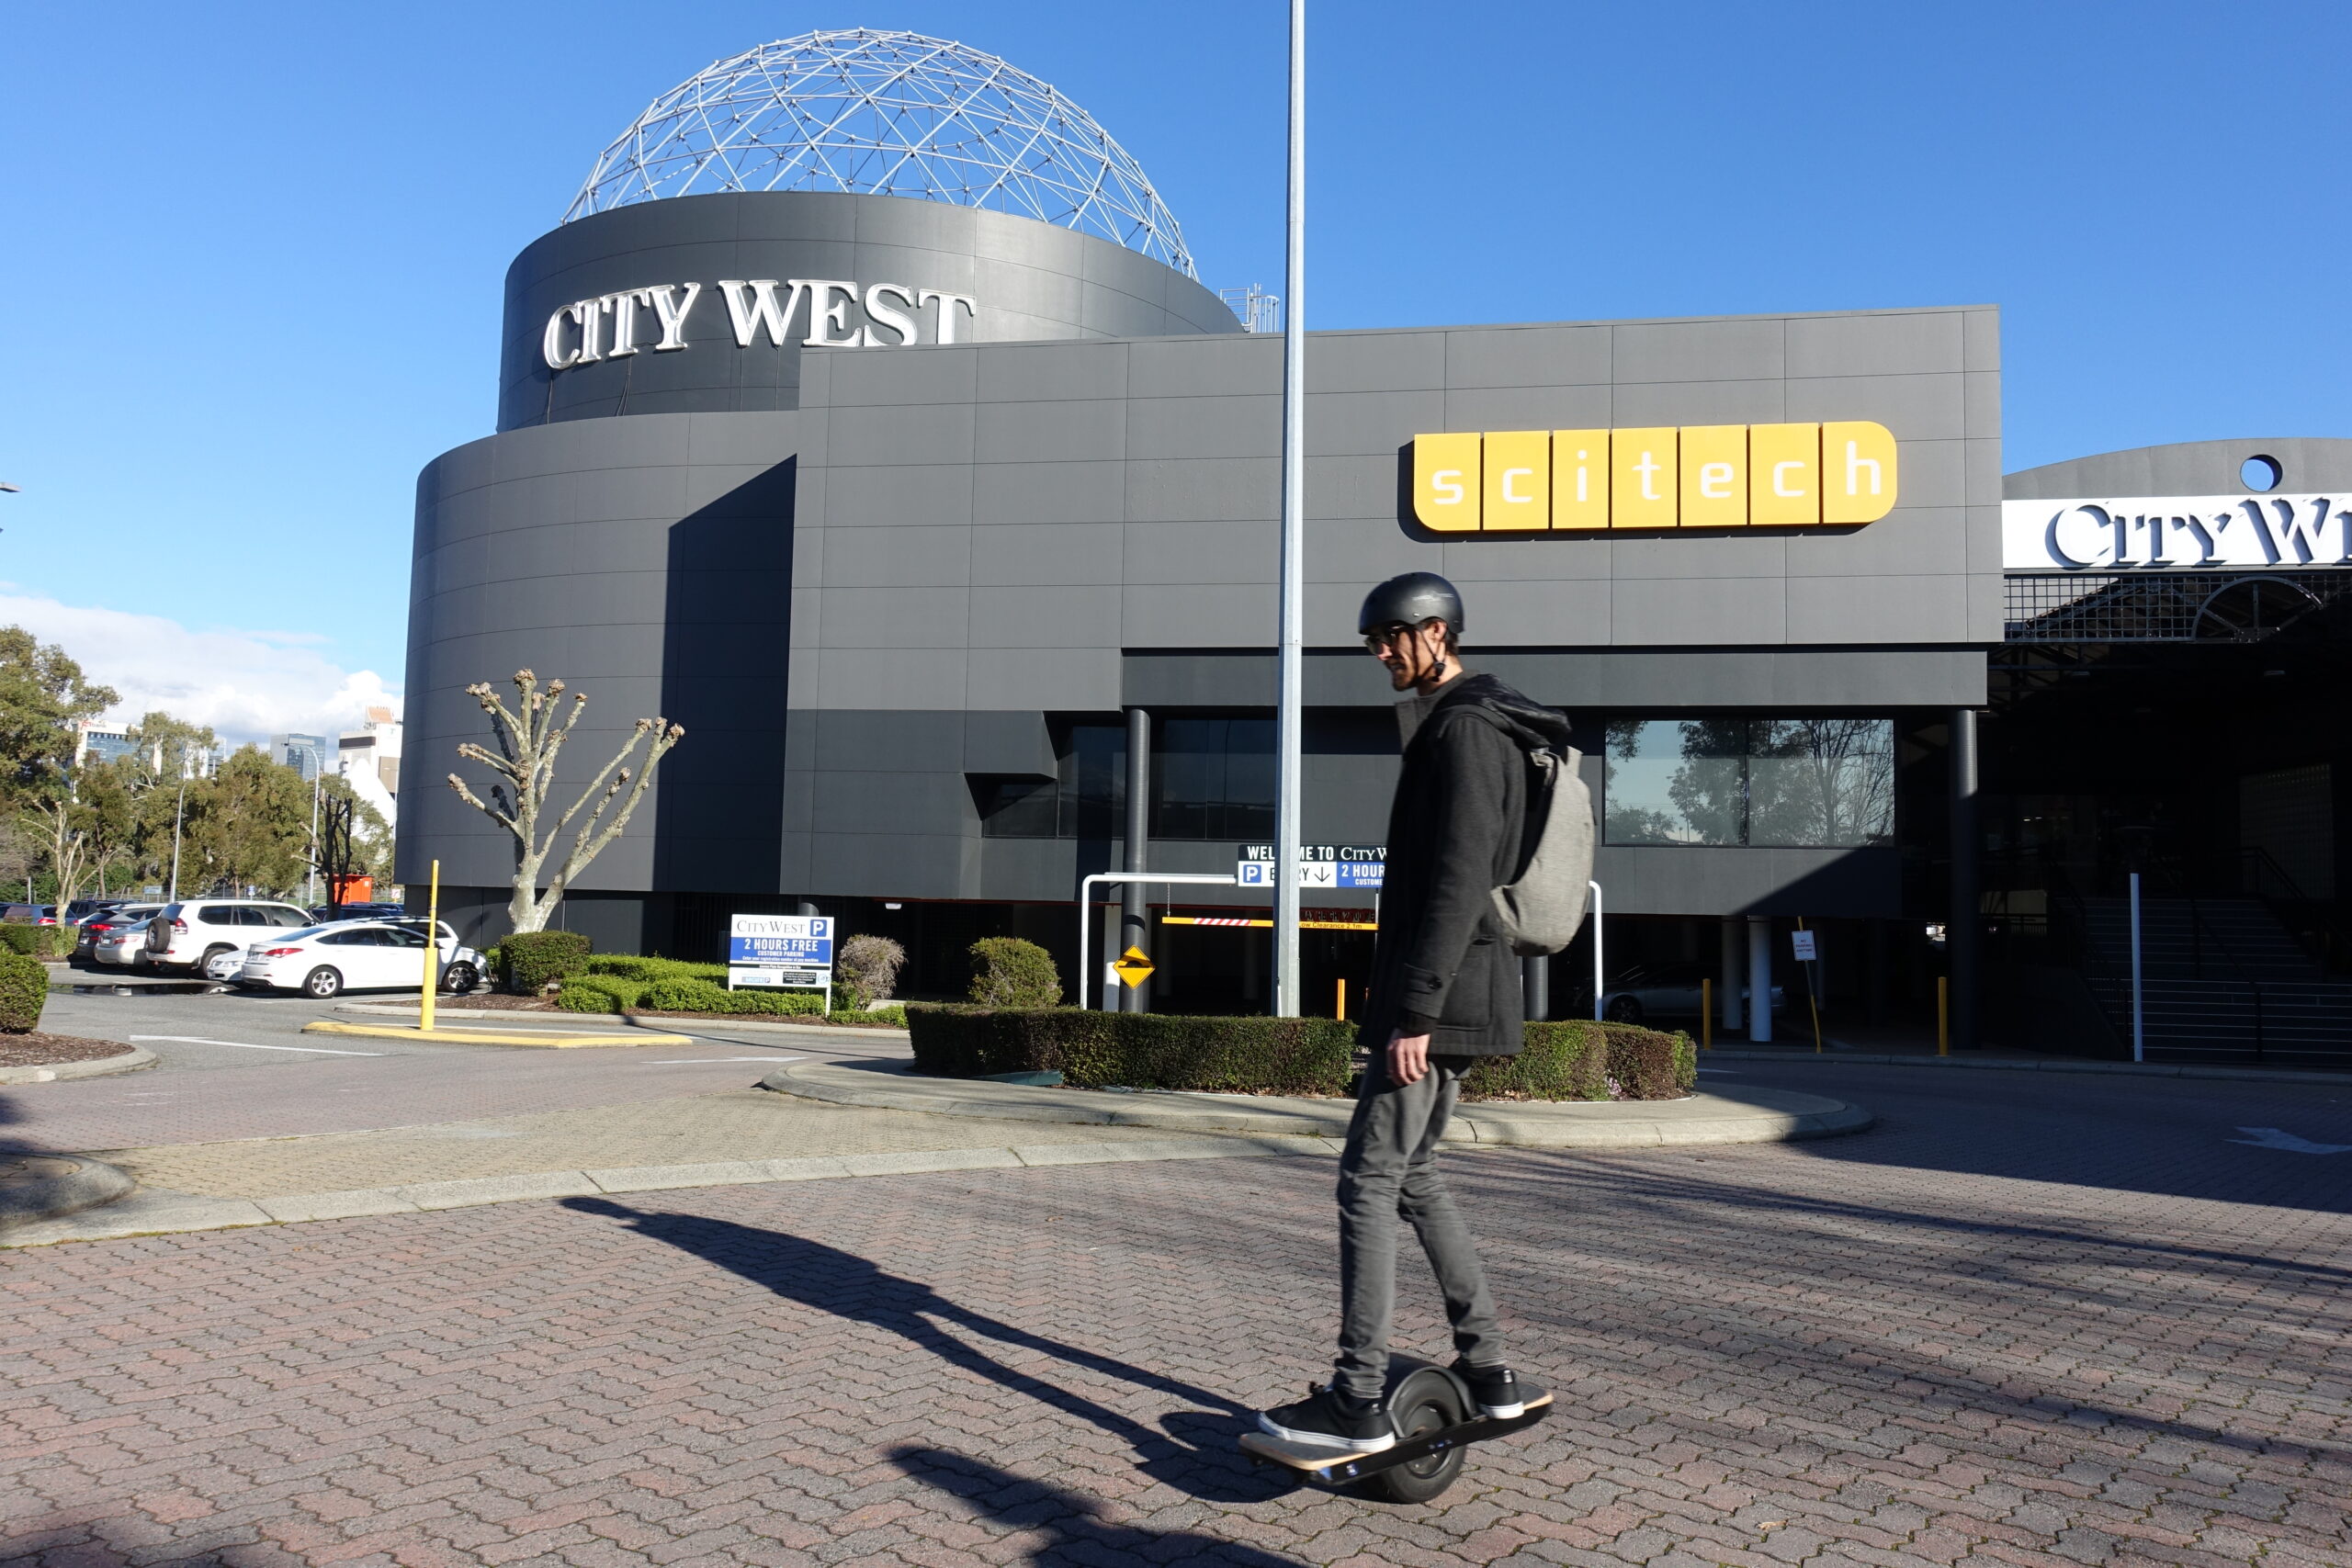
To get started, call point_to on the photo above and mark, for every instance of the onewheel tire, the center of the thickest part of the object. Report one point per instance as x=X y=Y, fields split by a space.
x=322 y=983
x=1425 y=1402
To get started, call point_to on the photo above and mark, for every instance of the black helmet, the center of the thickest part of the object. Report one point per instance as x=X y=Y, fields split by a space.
x=1410 y=600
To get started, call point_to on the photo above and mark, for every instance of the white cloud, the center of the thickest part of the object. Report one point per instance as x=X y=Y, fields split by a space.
x=246 y=685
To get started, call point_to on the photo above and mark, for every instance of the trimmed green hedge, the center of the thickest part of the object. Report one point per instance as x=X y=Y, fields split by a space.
x=687 y=994
x=533 y=959
x=37 y=942
x=628 y=966
x=1140 y=1050
x=598 y=993
x=24 y=991
x=1560 y=1062
x=1572 y=1060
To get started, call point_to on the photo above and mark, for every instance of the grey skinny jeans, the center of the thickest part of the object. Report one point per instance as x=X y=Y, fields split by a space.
x=1390 y=1169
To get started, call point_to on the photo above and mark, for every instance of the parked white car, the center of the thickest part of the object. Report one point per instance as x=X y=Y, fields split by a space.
x=356 y=955
x=192 y=934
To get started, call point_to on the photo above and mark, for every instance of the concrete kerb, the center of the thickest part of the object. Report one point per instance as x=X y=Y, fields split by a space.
x=35 y=1188
x=2027 y=1065
x=151 y=1211
x=1761 y=1116
x=134 y=1059
x=711 y=1022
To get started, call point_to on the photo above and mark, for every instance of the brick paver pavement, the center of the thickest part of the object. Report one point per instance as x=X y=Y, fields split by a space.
x=742 y=1124
x=1862 y=1352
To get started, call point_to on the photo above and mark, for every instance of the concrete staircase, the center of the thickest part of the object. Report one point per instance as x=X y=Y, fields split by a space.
x=2222 y=980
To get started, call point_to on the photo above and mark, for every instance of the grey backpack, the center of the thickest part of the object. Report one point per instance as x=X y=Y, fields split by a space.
x=1540 y=911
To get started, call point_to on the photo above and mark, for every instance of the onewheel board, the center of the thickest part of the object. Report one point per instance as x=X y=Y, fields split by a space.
x=1425 y=1458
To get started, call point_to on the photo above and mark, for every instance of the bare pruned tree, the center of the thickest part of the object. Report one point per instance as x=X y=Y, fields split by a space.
x=530 y=736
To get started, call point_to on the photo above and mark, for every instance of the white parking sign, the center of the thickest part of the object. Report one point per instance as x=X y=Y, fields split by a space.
x=792 y=951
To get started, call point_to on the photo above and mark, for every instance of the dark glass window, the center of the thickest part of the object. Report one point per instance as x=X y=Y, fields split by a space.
x=1213 y=778
x=1771 y=783
x=1086 y=799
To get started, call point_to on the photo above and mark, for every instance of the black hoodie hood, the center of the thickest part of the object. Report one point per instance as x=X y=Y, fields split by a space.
x=1531 y=724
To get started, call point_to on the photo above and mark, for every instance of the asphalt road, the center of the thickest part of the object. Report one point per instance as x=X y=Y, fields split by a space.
x=240 y=1067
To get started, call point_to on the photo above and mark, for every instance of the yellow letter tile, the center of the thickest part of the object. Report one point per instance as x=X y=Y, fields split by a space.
x=1518 y=480
x=1579 y=478
x=1857 y=471
x=1642 y=479
x=1714 y=476
x=1785 y=475
x=1446 y=482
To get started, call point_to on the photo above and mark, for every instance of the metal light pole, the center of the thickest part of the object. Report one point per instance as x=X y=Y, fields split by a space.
x=318 y=781
x=1287 y=724
x=178 y=813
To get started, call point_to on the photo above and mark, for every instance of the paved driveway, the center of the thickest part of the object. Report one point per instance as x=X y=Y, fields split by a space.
x=240 y=1067
x=2028 y=1320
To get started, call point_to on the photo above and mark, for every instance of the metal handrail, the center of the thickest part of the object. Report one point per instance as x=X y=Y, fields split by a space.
x=1086 y=908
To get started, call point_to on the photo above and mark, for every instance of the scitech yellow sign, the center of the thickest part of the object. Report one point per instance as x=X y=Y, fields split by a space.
x=1697 y=475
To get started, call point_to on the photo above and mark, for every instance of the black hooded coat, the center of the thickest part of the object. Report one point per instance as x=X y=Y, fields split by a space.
x=1457 y=831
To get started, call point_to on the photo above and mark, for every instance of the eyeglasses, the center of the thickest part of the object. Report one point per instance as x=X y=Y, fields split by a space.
x=1388 y=635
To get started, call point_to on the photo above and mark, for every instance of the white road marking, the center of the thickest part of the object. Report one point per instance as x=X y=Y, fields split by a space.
x=2273 y=1138
x=242 y=1045
x=690 y=1061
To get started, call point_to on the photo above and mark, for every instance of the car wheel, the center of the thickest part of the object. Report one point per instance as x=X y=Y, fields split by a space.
x=322 y=983
x=1623 y=1009
x=459 y=979
x=204 y=965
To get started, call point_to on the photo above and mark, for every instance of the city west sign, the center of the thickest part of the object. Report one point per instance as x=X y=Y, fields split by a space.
x=1702 y=476
x=613 y=326
x=2177 y=532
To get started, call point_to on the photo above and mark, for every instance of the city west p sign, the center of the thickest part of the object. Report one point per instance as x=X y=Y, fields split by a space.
x=1698 y=476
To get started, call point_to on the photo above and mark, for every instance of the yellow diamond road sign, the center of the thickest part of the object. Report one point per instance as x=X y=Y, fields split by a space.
x=1133 y=966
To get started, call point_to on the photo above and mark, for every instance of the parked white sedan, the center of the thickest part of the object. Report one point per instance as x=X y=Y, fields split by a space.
x=350 y=955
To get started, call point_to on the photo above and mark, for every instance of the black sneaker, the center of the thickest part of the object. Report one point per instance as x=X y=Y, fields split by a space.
x=1329 y=1419
x=1499 y=1393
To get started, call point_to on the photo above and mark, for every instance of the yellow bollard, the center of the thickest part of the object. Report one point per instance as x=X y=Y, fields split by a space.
x=432 y=953
x=1706 y=1015
x=1943 y=1016
x=1342 y=1013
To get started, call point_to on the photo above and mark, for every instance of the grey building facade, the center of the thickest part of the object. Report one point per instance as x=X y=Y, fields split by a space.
x=902 y=591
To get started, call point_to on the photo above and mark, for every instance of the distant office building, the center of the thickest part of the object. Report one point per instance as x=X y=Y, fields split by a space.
x=306 y=754
x=95 y=741
x=369 y=757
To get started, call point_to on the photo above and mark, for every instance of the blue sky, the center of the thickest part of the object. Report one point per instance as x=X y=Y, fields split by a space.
x=252 y=253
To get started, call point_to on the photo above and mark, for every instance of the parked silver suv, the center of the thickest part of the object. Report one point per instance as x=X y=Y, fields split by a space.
x=190 y=934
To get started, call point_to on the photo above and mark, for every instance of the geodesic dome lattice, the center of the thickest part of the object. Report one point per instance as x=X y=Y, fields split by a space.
x=886 y=114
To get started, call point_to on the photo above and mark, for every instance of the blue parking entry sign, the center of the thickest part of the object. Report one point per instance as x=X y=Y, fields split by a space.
x=786 y=952
x=805 y=939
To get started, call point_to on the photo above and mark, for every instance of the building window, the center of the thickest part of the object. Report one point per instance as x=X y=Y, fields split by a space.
x=1212 y=778
x=1087 y=798
x=1763 y=783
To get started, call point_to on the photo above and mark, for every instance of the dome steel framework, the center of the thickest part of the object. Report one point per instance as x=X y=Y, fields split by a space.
x=886 y=114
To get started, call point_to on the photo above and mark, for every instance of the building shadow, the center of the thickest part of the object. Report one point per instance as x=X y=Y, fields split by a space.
x=1075 y=1529
x=1193 y=1451
x=726 y=643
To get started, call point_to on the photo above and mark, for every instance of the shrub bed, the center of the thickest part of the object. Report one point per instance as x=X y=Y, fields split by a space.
x=37 y=942
x=1149 y=1050
x=534 y=959
x=1576 y=1059
x=1570 y=1060
x=24 y=991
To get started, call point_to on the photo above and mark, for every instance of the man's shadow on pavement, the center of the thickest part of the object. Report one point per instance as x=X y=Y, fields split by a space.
x=1192 y=1451
x=1079 y=1534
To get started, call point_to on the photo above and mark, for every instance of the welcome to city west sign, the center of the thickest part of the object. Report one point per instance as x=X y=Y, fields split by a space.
x=613 y=326
x=1704 y=476
x=2177 y=532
